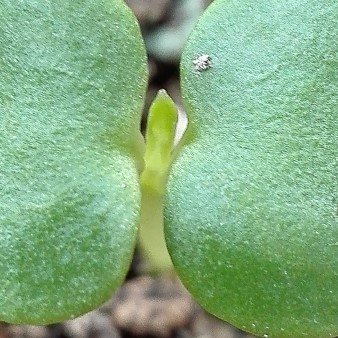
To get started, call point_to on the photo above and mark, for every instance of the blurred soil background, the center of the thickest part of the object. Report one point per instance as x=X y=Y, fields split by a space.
x=147 y=306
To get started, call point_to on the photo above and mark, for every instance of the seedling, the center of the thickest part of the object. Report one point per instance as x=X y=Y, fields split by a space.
x=250 y=211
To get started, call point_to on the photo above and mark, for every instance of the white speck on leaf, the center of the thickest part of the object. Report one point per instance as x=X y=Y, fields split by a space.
x=203 y=62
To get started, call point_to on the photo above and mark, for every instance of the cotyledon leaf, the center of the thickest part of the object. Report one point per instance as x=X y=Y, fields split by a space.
x=72 y=80
x=251 y=208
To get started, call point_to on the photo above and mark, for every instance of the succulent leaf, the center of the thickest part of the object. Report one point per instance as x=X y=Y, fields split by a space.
x=251 y=209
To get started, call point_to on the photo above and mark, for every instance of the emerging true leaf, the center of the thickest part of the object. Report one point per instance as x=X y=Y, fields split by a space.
x=160 y=137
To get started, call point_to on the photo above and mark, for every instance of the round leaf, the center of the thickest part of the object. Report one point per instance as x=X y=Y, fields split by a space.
x=72 y=80
x=251 y=210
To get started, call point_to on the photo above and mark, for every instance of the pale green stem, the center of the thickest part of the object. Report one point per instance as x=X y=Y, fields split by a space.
x=160 y=135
